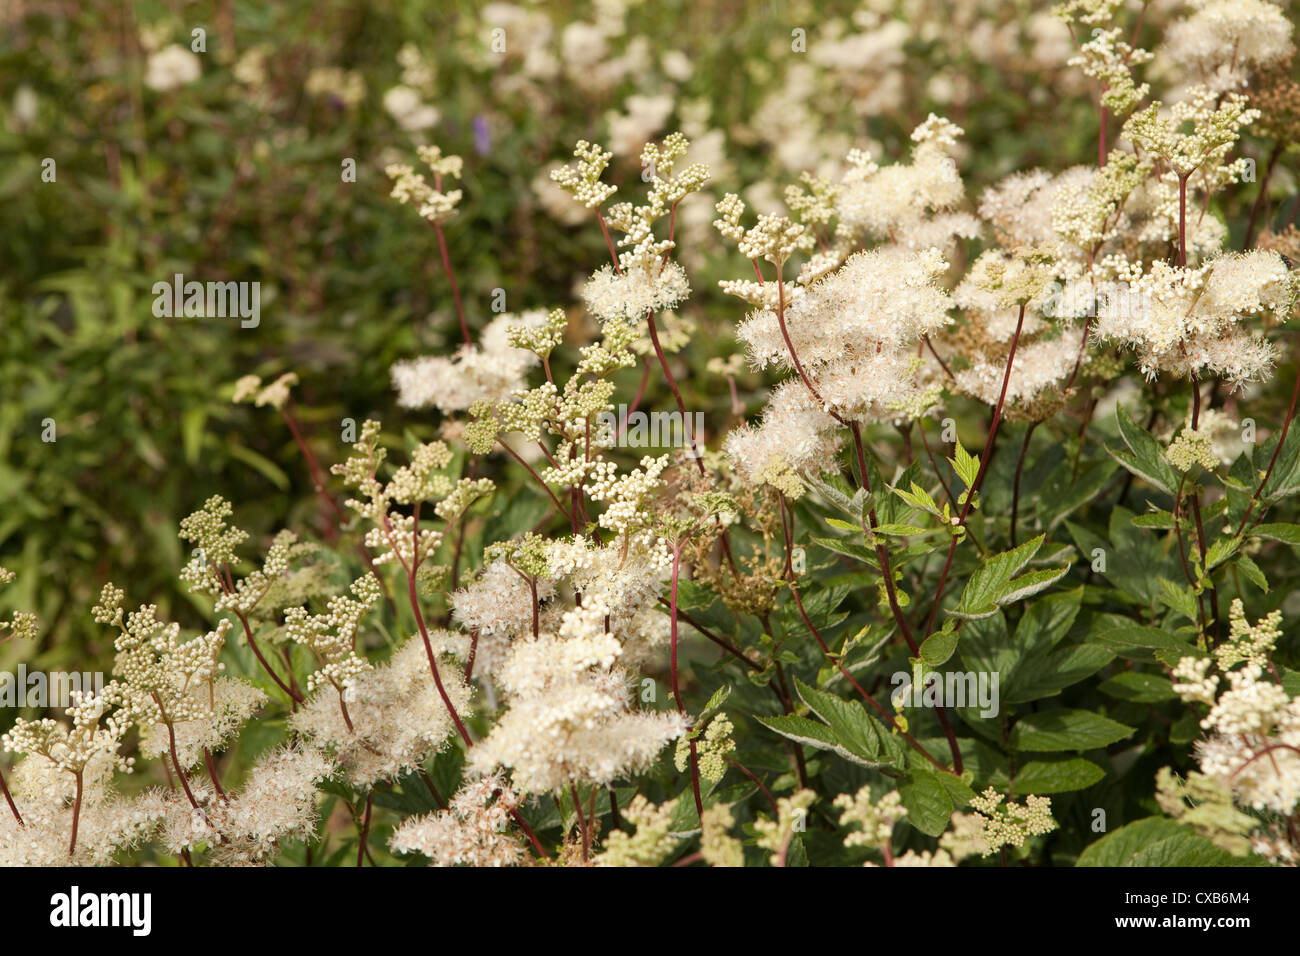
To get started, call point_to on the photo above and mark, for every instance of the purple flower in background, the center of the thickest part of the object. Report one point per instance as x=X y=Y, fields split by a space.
x=482 y=138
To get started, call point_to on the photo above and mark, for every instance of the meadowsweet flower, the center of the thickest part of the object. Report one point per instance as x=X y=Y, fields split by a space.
x=1040 y=367
x=1110 y=60
x=395 y=716
x=407 y=107
x=1188 y=321
x=795 y=436
x=1192 y=448
x=1009 y=823
x=717 y=845
x=883 y=299
x=1221 y=41
x=711 y=749
x=1194 y=133
x=21 y=624
x=493 y=369
x=903 y=202
x=651 y=844
x=433 y=203
x=570 y=718
x=170 y=68
x=250 y=388
x=873 y=818
x=774 y=835
x=1249 y=643
x=473 y=831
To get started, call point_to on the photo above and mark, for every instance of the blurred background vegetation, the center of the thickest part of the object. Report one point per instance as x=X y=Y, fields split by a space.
x=225 y=164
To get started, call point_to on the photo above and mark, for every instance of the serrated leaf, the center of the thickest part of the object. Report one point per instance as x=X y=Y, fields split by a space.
x=1144 y=457
x=938 y=647
x=809 y=733
x=1252 y=572
x=1057 y=775
x=1286 y=533
x=1053 y=730
x=995 y=583
x=928 y=804
x=843 y=525
x=1157 y=841
x=1038 y=676
x=1138 y=687
x=903 y=529
x=849 y=549
x=966 y=465
x=1180 y=598
x=1137 y=643
x=1155 y=519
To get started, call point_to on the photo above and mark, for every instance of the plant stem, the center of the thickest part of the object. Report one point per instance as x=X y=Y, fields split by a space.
x=979 y=475
x=13 y=807
x=1015 y=493
x=1286 y=426
x=212 y=773
x=451 y=276
x=1263 y=194
x=365 y=828
x=76 y=817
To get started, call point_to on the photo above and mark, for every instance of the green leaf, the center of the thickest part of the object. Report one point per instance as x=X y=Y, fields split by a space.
x=809 y=733
x=1286 y=533
x=261 y=464
x=904 y=529
x=1156 y=519
x=1144 y=457
x=1057 y=775
x=927 y=801
x=938 y=647
x=1137 y=643
x=1179 y=597
x=1048 y=620
x=1158 y=841
x=843 y=525
x=1220 y=550
x=717 y=700
x=1043 y=675
x=1139 y=687
x=855 y=729
x=917 y=497
x=995 y=583
x=1053 y=730
x=849 y=549
x=1285 y=477
x=1252 y=572
x=192 y=423
x=966 y=465
x=849 y=730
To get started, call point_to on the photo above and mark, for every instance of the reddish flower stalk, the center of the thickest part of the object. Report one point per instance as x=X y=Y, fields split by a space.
x=451 y=275
x=1259 y=489
x=979 y=475
x=13 y=807
x=212 y=774
x=826 y=651
x=362 y=850
x=76 y=817
x=1015 y=488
